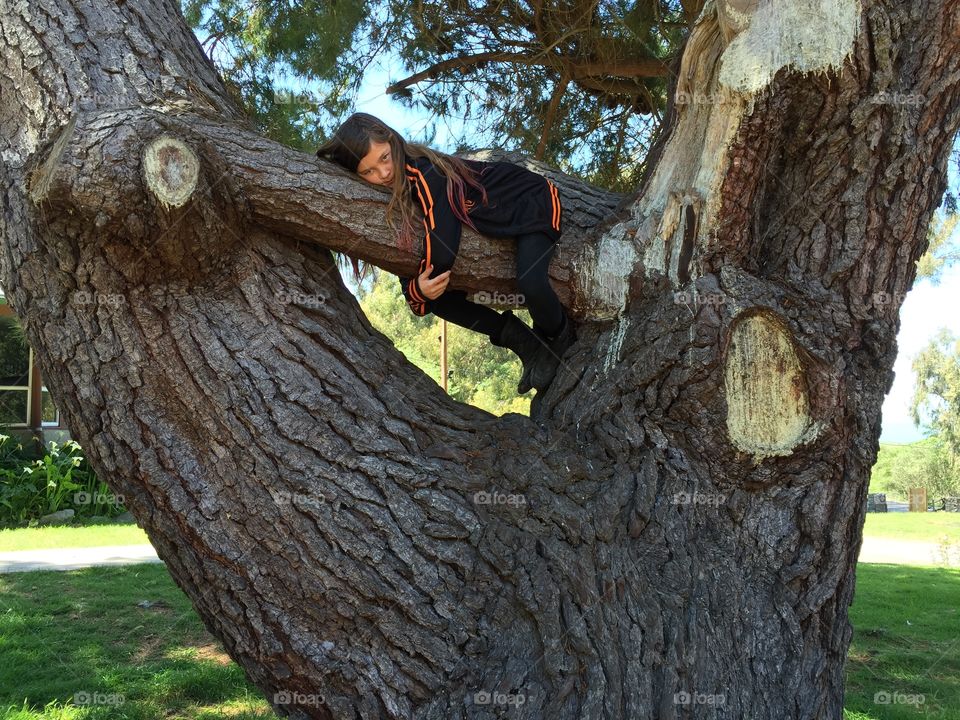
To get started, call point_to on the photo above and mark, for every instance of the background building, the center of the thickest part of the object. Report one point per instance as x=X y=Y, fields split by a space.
x=27 y=411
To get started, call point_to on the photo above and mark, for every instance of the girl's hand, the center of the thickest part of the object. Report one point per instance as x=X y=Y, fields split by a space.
x=435 y=287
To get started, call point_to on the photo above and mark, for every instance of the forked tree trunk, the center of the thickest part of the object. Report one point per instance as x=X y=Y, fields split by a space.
x=673 y=533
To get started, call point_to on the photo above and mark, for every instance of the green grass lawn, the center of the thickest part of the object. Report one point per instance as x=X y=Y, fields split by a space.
x=927 y=527
x=63 y=633
x=40 y=538
x=906 y=642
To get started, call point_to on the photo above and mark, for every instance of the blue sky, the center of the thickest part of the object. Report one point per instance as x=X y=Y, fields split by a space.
x=373 y=99
x=926 y=309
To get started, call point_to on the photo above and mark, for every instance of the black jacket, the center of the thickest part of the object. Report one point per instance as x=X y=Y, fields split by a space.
x=519 y=201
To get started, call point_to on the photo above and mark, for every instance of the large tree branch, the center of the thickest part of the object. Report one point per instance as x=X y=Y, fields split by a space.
x=317 y=202
x=555 y=98
x=577 y=70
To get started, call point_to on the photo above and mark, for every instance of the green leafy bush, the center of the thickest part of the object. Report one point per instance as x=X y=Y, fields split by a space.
x=62 y=479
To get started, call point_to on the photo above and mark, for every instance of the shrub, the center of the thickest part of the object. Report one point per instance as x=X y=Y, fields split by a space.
x=62 y=479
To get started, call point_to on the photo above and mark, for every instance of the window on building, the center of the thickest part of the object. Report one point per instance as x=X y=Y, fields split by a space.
x=14 y=374
x=24 y=400
x=50 y=416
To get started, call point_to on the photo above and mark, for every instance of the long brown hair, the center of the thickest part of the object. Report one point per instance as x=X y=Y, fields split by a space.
x=351 y=143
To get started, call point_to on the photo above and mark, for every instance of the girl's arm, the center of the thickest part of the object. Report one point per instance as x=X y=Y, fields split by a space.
x=410 y=288
x=419 y=291
x=442 y=229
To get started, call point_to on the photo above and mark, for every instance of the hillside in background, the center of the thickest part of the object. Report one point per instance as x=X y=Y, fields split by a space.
x=920 y=461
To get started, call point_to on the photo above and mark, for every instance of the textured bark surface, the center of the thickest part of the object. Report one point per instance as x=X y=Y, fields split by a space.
x=673 y=534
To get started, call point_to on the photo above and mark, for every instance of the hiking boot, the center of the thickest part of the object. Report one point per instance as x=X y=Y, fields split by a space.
x=547 y=360
x=516 y=335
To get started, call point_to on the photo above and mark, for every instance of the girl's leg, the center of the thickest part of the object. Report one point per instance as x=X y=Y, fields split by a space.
x=503 y=329
x=533 y=258
x=454 y=307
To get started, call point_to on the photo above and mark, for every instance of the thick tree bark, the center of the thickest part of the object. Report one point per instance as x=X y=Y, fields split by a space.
x=673 y=533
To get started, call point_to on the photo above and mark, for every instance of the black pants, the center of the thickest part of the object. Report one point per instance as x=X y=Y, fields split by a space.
x=533 y=258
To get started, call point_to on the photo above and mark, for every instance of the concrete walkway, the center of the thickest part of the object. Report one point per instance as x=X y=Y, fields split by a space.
x=909 y=552
x=874 y=550
x=75 y=558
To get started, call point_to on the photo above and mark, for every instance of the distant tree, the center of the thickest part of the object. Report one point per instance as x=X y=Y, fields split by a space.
x=881 y=474
x=943 y=250
x=936 y=397
x=929 y=464
x=480 y=374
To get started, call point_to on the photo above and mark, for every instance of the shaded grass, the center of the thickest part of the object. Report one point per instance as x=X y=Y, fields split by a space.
x=63 y=633
x=906 y=640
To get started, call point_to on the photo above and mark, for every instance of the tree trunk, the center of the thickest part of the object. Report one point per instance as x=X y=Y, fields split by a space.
x=674 y=531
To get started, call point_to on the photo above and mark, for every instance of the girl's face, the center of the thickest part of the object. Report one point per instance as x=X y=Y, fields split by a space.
x=376 y=167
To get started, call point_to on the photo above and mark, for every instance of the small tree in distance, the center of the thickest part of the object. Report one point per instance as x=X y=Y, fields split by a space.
x=480 y=374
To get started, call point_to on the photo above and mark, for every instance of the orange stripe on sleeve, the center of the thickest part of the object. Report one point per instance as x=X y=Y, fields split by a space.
x=559 y=207
x=554 y=221
x=412 y=289
x=426 y=202
x=553 y=205
x=425 y=193
x=426 y=211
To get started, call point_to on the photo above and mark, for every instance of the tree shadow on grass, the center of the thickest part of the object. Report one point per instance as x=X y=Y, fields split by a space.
x=110 y=642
